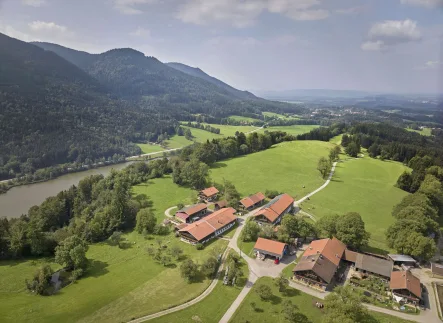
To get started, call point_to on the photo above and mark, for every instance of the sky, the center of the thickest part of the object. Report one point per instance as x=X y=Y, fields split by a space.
x=393 y=46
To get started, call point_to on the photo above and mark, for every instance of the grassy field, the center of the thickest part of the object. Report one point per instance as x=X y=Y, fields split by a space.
x=271 y=311
x=280 y=116
x=148 y=148
x=121 y=283
x=286 y=167
x=163 y=193
x=366 y=186
x=244 y=119
x=213 y=307
x=424 y=132
x=292 y=130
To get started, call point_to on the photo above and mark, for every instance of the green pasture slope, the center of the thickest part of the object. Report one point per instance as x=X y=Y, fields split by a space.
x=364 y=185
x=214 y=306
x=121 y=284
x=148 y=148
x=424 y=132
x=244 y=119
x=271 y=311
x=286 y=167
x=279 y=116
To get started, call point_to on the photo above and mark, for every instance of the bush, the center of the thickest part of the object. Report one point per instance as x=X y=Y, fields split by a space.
x=199 y=246
x=271 y=194
x=180 y=206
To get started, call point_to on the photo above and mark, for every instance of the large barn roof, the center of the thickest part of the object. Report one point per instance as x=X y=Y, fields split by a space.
x=374 y=265
x=275 y=207
x=208 y=225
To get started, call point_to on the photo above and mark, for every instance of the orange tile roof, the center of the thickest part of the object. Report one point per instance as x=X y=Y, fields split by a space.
x=190 y=210
x=208 y=225
x=270 y=246
x=332 y=249
x=251 y=200
x=405 y=280
x=275 y=207
x=208 y=192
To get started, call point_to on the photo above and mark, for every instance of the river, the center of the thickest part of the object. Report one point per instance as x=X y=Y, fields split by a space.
x=19 y=199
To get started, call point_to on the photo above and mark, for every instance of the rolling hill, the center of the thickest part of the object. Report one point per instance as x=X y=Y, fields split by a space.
x=129 y=73
x=195 y=71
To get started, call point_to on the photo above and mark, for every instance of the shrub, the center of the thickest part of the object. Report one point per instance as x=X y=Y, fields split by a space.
x=199 y=246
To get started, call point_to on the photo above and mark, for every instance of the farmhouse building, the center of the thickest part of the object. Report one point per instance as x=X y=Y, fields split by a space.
x=320 y=262
x=272 y=212
x=209 y=227
x=271 y=248
x=190 y=213
x=373 y=265
x=405 y=286
x=208 y=194
x=220 y=205
x=252 y=201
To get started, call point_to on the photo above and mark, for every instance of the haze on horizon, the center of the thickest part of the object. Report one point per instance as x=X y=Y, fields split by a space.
x=376 y=45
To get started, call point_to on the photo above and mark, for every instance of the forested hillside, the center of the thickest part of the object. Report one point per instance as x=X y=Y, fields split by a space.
x=195 y=71
x=61 y=106
x=52 y=112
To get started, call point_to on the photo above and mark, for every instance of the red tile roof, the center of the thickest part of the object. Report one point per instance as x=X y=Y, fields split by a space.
x=251 y=200
x=213 y=222
x=405 y=280
x=208 y=192
x=332 y=249
x=182 y=216
x=275 y=207
x=191 y=210
x=270 y=246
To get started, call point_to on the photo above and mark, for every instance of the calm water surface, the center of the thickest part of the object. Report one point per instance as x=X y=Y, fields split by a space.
x=18 y=200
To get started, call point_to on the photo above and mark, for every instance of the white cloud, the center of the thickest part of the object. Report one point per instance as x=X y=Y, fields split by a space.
x=383 y=35
x=242 y=13
x=351 y=11
x=141 y=32
x=34 y=3
x=14 y=33
x=433 y=64
x=42 y=26
x=373 y=45
x=129 y=7
x=424 y=3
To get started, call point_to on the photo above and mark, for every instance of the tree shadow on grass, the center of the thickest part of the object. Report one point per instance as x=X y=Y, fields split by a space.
x=258 y=310
x=218 y=165
x=125 y=245
x=301 y=318
x=274 y=300
x=97 y=268
x=172 y=266
x=290 y=292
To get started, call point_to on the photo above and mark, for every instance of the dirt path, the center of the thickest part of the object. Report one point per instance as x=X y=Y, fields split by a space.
x=154 y=153
x=168 y=212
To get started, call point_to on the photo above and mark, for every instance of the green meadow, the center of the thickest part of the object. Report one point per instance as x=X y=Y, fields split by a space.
x=214 y=306
x=243 y=119
x=121 y=283
x=423 y=132
x=289 y=167
x=364 y=185
x=148 y=148
x=271 y=311
x=279 y=116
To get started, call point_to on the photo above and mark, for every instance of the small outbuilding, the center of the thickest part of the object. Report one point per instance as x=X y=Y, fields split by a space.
x=403 y=260
x=405 y=287
x=271 y=248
